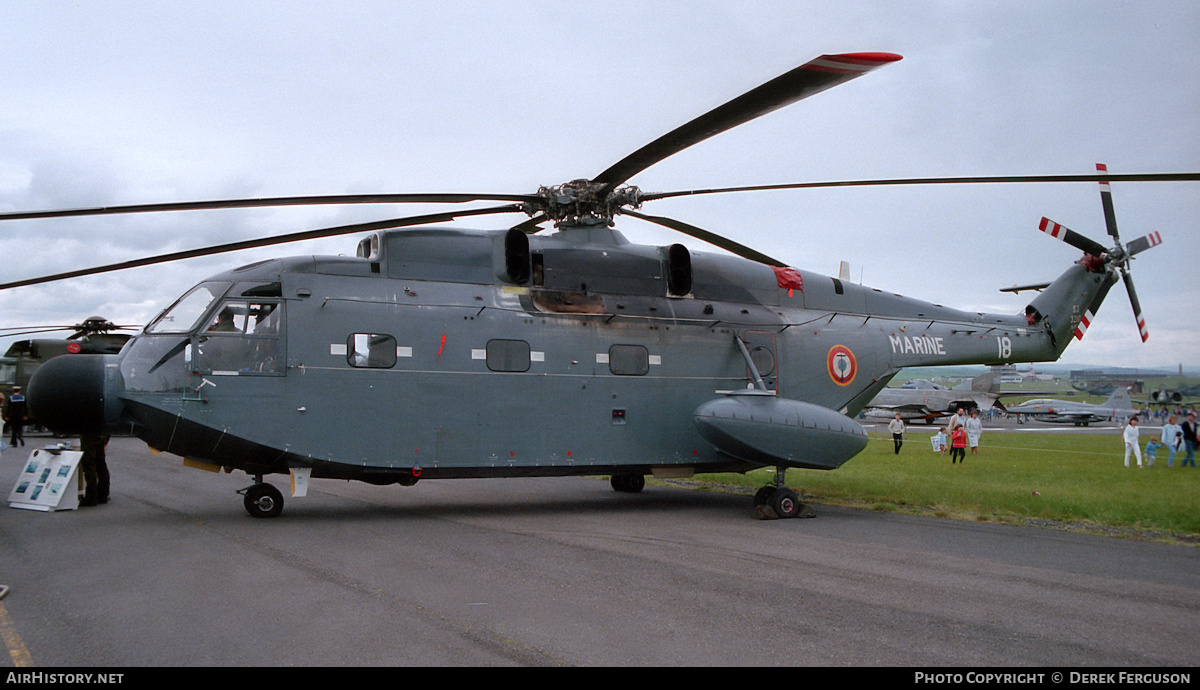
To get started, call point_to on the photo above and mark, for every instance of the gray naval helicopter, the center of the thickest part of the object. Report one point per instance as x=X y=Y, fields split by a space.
x=441 y=353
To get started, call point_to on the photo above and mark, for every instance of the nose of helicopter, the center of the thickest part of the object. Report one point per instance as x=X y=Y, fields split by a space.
x=76 y=394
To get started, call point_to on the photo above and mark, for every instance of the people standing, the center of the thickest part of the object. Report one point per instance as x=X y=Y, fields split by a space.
x=958 y=445
x=15 y=414
x=1172 y=438
x=956 y=420
x=1131 y=441
x=95 y=469
x=896 y=426
x=1152 y=452
x=938 y=441
x=974 y=426
x=1188 y=430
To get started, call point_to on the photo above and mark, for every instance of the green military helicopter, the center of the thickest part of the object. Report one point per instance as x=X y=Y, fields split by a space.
x=445 y=353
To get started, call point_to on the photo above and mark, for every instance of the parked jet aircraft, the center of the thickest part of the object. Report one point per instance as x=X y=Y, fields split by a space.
x=1174 y=396
x=926 y=401
x=1118 y=407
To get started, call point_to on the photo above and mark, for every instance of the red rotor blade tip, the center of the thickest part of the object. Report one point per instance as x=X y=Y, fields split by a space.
x=870 y=57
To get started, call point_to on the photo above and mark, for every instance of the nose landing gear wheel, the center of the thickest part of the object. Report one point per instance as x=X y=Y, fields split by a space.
x=263 y=501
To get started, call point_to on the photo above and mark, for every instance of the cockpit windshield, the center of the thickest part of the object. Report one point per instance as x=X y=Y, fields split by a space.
x=187 y=310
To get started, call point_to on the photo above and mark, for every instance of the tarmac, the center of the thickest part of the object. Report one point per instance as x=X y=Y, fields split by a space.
x=173 y=573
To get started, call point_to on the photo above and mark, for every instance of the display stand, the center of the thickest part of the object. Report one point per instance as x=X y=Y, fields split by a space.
x=48 y=481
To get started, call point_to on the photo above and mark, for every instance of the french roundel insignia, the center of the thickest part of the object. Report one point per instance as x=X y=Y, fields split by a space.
x=842 y=365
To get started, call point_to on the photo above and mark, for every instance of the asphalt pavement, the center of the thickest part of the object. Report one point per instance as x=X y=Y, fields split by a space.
x=562 y=572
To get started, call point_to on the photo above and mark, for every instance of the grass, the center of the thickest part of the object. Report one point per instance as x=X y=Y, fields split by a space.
x=1077 y=480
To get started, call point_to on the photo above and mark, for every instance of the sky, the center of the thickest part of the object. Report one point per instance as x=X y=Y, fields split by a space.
x=127 y=102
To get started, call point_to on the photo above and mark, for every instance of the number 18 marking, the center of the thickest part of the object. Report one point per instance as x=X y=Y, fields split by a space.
x=1005 y=346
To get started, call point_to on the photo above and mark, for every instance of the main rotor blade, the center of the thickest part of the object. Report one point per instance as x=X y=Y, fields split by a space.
x=991 y=179
x=336 y=199
x=806 y=80
x=1143 y=243
x=267 y=242
x=77 y=328
x=1110 y=216
x=1137 y=306
x=1071 y=237
x=712 y=238
x=532 y=225
x=9 y=333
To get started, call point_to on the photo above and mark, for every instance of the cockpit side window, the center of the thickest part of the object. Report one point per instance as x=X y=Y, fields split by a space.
x=242 y=338
x=245 y=317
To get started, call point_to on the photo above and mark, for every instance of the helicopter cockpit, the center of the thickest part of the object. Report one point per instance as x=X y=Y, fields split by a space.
x=217 y=328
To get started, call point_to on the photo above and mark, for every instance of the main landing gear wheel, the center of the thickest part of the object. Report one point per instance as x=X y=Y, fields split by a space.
x=628 y=483
x=785 y=503
x=263 y=501
x=776 y=501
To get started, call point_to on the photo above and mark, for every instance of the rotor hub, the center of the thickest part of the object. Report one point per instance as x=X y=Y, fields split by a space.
x=579 y=203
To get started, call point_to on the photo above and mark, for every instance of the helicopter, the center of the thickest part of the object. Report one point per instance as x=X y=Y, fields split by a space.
x=441 y=352
x=93 y=335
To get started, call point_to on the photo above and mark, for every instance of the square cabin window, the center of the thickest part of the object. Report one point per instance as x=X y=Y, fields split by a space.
x=371 y=351
x=508 y=355
x=628 y=360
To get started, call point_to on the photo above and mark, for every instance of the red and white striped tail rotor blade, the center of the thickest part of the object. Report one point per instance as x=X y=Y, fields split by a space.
x=1071 y=237
x=1137 y=306
x=1110 y=215
x=1143 y=243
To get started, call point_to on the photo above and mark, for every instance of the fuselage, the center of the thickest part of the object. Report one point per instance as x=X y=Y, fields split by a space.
x=450 y=353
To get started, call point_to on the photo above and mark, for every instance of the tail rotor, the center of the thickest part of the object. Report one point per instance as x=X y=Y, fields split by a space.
x=1099 y=258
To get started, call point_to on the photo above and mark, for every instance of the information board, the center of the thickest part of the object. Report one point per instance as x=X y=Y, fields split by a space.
x=48 y=481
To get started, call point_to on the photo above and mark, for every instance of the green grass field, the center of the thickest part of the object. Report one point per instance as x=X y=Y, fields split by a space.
x=1061 y=477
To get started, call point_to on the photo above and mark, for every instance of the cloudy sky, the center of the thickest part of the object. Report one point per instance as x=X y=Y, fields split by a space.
x=110 y=103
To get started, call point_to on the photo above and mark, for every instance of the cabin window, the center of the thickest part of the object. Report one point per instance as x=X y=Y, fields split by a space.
x=242 y=338
x=508 y=355
x=628 y=360
x=371 y=351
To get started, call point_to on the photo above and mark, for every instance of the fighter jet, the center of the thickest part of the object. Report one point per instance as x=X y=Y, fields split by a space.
x=1118 y=407
x=921 y=400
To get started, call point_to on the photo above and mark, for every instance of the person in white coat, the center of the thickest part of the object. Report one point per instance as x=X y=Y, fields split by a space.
x=1131 y=441
x=974 y=427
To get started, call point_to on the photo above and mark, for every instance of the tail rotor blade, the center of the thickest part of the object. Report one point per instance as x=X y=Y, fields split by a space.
x=1110 y=216
x=1071 y=237
x=1137 y=306
x=1143 y=243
